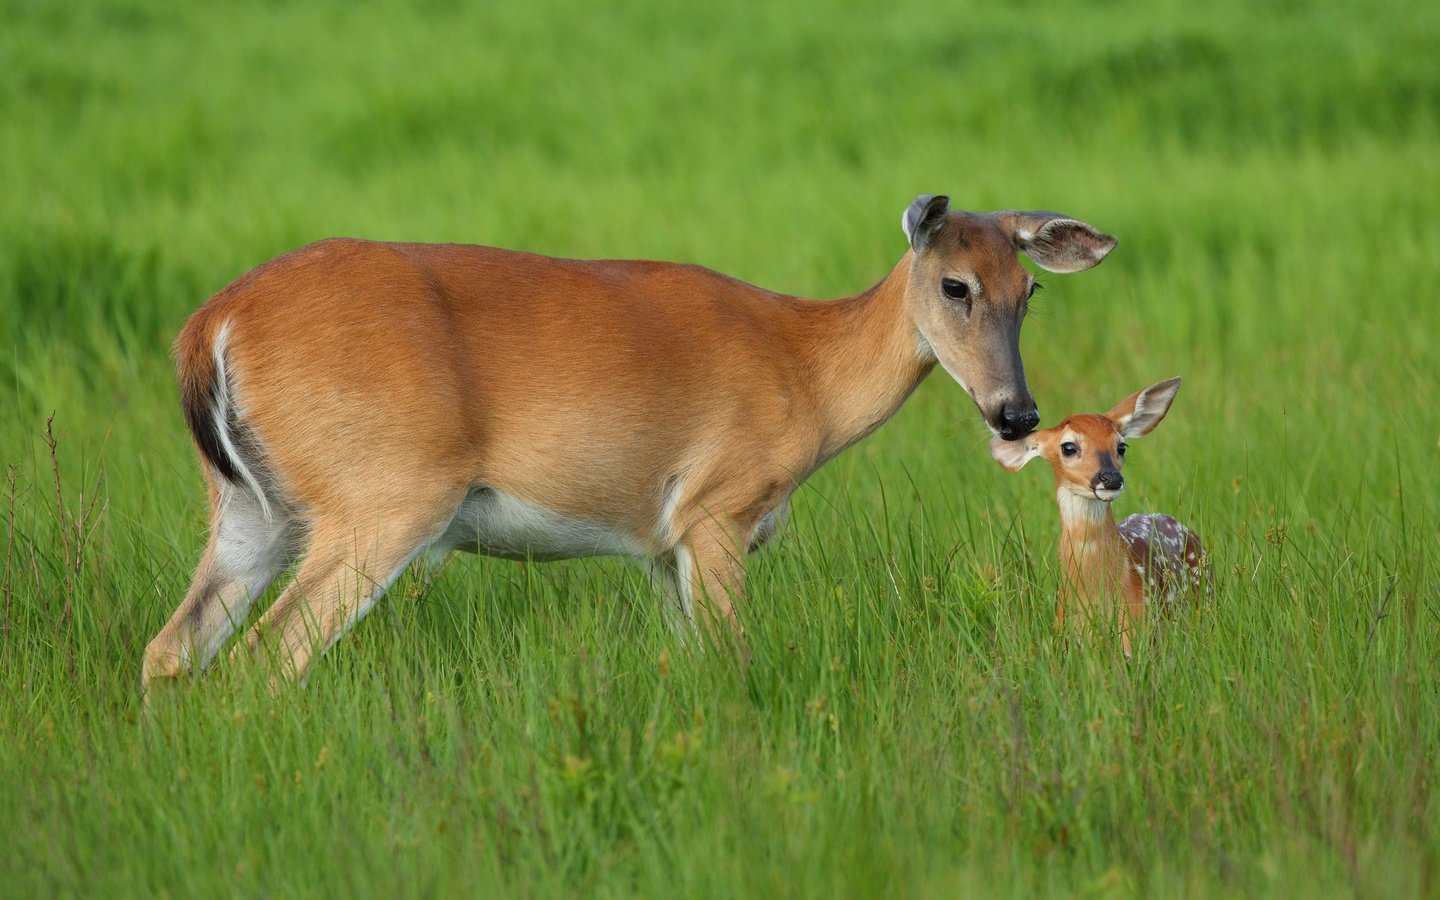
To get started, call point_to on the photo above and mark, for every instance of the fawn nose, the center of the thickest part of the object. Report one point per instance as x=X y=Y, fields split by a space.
x=1016 y=423
x=1110 y=480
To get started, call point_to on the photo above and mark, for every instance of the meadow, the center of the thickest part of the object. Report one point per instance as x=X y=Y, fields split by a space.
x=908 y=724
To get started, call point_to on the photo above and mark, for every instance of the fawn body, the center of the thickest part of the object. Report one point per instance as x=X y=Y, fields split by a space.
x=358 y=405
x=1146 y=560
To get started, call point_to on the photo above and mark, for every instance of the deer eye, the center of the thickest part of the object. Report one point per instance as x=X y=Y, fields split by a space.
x=1069 y=449
x=1120 y=449
x=955 y=289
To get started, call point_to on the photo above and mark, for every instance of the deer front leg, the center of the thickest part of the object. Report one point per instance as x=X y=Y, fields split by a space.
x=1132 y=611
x=710 y=573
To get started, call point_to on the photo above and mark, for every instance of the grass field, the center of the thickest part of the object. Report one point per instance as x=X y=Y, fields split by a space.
x=908 y=725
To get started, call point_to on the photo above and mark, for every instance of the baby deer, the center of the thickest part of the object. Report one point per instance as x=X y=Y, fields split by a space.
x=1147 y=558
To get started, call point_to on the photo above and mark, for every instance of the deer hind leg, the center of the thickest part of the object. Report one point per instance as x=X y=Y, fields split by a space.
x=246 y=550
x=346 y=571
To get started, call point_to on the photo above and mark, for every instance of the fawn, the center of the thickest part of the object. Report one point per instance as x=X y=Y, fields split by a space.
x=1148 y=557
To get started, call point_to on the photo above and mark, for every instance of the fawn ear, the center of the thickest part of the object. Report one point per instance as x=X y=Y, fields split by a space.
x=1013 y=455
x=923 y=220
x=1139 y=413
x=1055 y=242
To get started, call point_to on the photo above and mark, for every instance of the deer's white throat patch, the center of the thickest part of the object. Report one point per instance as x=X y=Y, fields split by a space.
x=1077 y=507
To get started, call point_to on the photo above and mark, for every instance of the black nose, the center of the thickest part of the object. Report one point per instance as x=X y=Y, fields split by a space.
x=1016 y=423
x=1110 y=480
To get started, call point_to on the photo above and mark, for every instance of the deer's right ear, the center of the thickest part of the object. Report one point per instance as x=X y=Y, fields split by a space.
x=1013 y=455
x=923 y=220
x=1056 y=242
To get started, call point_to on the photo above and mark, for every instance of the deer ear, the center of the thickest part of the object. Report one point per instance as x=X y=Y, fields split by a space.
x=1139 y=413
x=1013 y=455
x=1055 y=242
x=923 y=220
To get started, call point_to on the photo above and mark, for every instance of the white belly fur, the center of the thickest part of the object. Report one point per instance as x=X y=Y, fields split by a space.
x=496 y=524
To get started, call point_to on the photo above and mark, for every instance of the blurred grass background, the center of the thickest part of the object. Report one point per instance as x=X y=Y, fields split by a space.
x=908 y=725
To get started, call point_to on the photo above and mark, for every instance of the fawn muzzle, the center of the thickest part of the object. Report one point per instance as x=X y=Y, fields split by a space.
x=1109 y=480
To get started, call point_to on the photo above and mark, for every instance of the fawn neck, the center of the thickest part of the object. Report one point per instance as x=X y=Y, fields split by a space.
x=1092 y=550
x=863 y=358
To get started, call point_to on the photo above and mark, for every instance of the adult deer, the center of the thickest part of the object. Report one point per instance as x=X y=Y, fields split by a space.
x=361 y=404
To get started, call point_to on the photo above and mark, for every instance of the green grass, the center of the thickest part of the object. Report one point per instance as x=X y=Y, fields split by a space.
x=908 y=724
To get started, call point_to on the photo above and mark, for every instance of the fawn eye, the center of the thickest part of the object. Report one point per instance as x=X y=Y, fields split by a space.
x=1069 y=449
x=955 y=289
x=1120 y=449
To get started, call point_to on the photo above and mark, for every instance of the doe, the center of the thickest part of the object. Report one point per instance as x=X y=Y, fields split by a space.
x=360 y=405
x=1147 y=559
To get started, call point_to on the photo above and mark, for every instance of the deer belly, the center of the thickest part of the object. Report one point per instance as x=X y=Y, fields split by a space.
x=496 y=524
x=1166 y=556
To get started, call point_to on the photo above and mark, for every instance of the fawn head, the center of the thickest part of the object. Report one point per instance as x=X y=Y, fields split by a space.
x=1086 y=452
x=968 y=295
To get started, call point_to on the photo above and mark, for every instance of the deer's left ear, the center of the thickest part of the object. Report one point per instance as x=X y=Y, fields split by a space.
x=924 y=219
x=1139 y=413
x=1055 y=242
x=1013 y=455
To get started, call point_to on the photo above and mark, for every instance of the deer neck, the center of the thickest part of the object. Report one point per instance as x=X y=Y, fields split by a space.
x=1092 y=550
x=863 y=357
